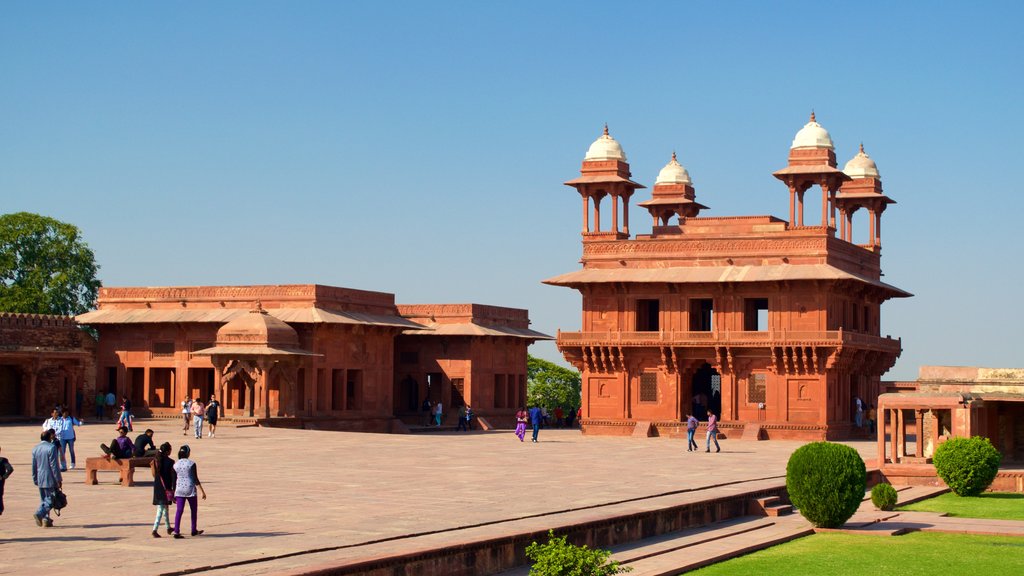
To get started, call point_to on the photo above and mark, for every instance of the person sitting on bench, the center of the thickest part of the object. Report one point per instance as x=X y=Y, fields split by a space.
x=120 y=447
x=144 y=445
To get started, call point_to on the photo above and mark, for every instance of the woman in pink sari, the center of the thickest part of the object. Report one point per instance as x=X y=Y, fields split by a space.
x=521 y=418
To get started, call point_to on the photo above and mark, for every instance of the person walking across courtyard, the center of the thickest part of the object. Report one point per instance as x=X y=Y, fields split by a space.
x=186 y=415
x=185 y=490
x=462 y=419
x=438 y=413
x=198 y=416
x=536 y=417
x=521 y=417
x=5 y=472
x=691 y=429
x=164 y=484
x=46 y=476
x=712 y=432
x=109 y=400
x=212 y=415
x=66 y=435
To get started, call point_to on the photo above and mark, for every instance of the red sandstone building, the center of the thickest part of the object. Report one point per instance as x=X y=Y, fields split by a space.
x=308 y=355
x=773 y=325
x=44 y=361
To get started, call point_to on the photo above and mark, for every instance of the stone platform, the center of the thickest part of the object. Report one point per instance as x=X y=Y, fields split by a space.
x=307 y=501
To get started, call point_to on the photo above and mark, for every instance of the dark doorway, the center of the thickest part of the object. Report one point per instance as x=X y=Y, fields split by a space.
x=136 y=386
x=434 y=381
x=702 y=312
x=706 y=393
x=10 y=391
x=407 y=395
x=647 y=315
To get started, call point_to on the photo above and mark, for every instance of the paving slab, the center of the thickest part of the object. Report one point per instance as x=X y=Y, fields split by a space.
x=282 y=492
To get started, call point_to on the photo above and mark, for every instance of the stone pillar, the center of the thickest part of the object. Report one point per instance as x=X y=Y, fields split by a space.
x=625 y=214
x=800 y=208
x=878 y=229
x=597 y=214
x=880 y=433
x=615 y=213
x=586 y=214
x=792 y=205
x=871 y=223
x=824 y=205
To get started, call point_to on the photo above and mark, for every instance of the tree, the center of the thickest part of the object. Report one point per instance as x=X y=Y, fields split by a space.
x=45 y=266
x=550 y=385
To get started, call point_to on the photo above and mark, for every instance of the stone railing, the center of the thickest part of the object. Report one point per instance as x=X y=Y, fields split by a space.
x=723 y=338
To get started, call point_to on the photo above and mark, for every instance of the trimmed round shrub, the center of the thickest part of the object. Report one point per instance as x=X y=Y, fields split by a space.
x=967 y=465
x=826 y=482
x=883 y=496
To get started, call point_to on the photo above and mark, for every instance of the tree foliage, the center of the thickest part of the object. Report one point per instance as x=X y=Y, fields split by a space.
x=559 y=558
x=826 y=482
x=550 y=385
x=45 y=266
x=967 y=465
x=884 y=496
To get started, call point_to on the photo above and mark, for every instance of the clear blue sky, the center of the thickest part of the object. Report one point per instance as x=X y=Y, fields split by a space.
x=420 y=148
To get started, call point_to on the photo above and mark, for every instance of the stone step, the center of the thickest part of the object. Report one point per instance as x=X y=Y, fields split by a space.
x=688 y=550
x=779 y=510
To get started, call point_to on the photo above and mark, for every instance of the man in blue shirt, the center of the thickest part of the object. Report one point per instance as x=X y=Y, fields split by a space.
x=46 y=475
x=535 y=419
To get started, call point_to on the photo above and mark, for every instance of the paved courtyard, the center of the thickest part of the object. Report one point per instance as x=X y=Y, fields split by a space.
x=277 y=491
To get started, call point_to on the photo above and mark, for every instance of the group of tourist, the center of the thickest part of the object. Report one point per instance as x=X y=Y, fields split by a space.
x=864 y=415
x=711 y=433
x=194 y=414
x=434 y=412
x=63 y=425
x=174 y=482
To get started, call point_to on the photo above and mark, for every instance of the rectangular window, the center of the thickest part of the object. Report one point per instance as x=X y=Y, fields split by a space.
x=163 y=349
x=702 y=315
x=755 y=314
x=647 y=315
x=757 y=387
x=649 y=387
x=458 y=392
x=201 y=345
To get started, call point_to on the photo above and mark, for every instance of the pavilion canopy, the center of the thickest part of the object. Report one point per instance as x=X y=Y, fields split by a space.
x=474 y=329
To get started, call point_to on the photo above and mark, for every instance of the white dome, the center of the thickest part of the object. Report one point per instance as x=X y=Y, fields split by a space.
x=861 y=166
x=605 y=148
x=812 y=135
x=674 y=173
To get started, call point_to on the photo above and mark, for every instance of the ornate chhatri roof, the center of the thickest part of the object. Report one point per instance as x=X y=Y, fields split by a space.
x=812 y=135
x=605 y=148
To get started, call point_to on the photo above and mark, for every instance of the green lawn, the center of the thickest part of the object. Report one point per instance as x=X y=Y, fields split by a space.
x=918 y=553
x=999 y=505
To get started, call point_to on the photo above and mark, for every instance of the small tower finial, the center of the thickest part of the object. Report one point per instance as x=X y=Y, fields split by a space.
x=605 y=128
x=812 y=115
x=861 y=147
x=674 y=156
x=259 y=308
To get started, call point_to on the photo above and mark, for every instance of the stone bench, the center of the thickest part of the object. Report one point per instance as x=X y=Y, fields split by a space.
x=125 y=466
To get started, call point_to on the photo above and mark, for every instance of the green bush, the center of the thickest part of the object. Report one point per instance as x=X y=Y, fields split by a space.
x=883 y=496
x=826 y=482
x=559 y=558
x=967 y=465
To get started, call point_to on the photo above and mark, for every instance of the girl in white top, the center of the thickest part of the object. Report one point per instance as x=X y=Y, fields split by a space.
x=185 y=490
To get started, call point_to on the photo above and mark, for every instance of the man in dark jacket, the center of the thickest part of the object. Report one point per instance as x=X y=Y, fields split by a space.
x=144 y=445
x=46 y=475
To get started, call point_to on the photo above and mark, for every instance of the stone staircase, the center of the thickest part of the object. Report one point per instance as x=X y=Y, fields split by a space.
x=770 y=506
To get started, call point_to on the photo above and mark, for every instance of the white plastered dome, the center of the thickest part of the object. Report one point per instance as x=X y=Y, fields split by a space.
x=674 y=173
x=812 y=135
x=605 y=148
x=861 y=166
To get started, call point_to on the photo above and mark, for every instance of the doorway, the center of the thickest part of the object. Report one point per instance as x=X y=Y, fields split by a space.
x=706 y=393
x=10 y=391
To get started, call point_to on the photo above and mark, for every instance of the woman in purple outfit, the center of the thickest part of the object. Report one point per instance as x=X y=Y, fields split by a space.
x=521 y=418
x=185 y=490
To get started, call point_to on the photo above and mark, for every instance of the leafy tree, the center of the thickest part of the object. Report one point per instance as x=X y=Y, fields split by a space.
x=550 y=385
x=45 y=266
x=967 y=465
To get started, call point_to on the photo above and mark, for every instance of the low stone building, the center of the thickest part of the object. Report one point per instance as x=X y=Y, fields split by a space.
x=952 y=401
x=44 y=361
x=305 y=355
